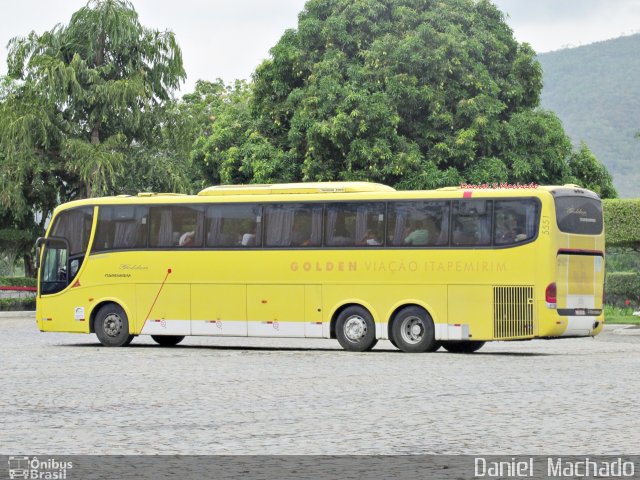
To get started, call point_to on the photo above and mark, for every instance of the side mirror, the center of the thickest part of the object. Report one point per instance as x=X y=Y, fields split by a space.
x=39 y=242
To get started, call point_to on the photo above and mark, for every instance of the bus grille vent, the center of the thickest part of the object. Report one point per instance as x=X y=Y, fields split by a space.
x=512 y=312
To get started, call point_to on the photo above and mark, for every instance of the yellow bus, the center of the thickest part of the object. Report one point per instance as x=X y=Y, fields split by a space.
x=355 y=261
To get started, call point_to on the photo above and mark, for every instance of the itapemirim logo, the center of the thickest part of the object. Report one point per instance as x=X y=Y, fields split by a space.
x=35 y=468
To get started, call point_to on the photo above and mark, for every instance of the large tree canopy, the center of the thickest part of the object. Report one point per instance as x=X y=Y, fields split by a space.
x=82 y=110
x=413 y=93
x=229 y=148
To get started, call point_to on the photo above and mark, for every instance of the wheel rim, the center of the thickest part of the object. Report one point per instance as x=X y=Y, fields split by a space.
x=355 y=328
x=112 y=325
x=412 y=330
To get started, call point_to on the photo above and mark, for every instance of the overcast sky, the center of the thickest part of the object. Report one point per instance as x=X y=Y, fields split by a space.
x=229 y=38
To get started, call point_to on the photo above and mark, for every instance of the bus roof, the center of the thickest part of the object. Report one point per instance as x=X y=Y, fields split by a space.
x=319 y=191
x=293 y=188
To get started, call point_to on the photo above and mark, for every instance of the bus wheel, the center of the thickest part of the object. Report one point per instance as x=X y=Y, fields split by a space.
x=463 y=347
x=167 y=340
x=356 y=330
x=112 y=326
x=413 y=331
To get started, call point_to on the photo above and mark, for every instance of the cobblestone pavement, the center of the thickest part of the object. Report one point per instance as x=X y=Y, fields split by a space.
x=64 y=394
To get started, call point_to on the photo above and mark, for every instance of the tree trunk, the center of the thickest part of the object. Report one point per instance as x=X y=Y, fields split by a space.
x=95 y=140
x=12 y=256
x=29 y=270
x=95 y=135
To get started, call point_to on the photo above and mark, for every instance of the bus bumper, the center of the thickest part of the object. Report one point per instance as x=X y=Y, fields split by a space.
x=554 y=325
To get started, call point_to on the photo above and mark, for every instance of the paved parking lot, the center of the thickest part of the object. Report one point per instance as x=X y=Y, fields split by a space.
x=64 y=394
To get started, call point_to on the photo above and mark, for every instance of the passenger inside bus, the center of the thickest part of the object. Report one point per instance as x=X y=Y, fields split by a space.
x=301 y=230
x=187 y=239
x=249 y=239
x=372 y=238
x=418 y=235
x=507 y=230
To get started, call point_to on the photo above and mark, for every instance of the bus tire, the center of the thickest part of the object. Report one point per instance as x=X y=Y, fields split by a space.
x=112 y=326
x=356 y=330
x=167 y=340
x=435 y=348
x=468 y=346
x=413 y=331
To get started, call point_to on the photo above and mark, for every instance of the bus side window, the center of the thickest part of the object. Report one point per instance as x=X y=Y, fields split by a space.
x=354 y=224
x=471 y=223
x=121 y=228
x=418 y=223
x=515 y=221
x=233 y=226
x=293 y=225
x=176 y=226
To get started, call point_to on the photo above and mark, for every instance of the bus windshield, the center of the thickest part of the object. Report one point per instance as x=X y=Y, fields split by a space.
x=63 y=262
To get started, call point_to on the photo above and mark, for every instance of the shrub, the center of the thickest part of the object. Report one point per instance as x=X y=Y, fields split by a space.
x=17 y=304
x=623 y=286
x=622 y=259
x=622 y=222
x=17 y=282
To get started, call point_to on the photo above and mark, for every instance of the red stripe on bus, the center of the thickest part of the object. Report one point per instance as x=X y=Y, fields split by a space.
x=467 y=194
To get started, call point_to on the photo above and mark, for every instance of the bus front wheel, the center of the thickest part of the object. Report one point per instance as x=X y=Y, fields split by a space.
x=167 y=340
x=463 y=346
x=356 y=330
x=112 y=326
x=413 y=331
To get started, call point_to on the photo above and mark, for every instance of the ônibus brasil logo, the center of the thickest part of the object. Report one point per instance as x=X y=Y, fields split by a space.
x=34 y=468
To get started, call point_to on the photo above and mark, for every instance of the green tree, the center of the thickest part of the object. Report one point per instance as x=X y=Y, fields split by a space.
x=413 y=93
x=229 y=147
x=83 y=108
x=16 y=239
x=591 y=174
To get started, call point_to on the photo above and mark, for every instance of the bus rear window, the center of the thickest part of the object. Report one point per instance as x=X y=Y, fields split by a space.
x=581 y=215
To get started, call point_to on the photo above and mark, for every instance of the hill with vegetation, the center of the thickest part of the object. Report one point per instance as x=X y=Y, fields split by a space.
x=594 y=90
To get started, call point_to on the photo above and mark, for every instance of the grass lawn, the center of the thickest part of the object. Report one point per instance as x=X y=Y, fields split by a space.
x=616 y=315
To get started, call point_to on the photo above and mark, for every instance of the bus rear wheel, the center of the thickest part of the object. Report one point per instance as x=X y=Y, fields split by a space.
x=112 y=326
x=167 y=340
x=356 y=330
x=413 y=331
x=463 y=346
